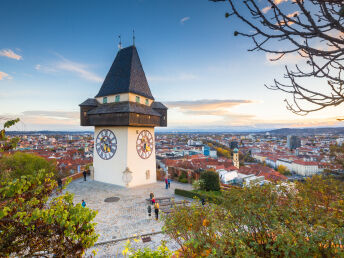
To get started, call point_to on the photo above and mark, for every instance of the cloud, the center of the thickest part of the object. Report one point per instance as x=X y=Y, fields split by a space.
x=279 y=1
x=45 y=120
x=57 y=115
x=66 y=65
x=48 y=118
x=179 y=77
x=276 y=2
x=208 y=112
x=216 y=113
x=266 y=9
x=10 y=54
x=184 y=19
x=208 y=105
x=290 y=58
x=4 y=75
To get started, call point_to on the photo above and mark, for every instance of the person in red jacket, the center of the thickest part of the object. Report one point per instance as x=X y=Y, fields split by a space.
x=166 y=182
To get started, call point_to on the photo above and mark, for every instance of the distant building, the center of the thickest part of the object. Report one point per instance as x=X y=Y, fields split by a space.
x=227 y=177
x=305 y=168
x=293 y=142
x=194 y=143
x=206 y=150
x=340 y=141
x=236 y=162
x=285 y=162
x=233 y=145
x=209 y=152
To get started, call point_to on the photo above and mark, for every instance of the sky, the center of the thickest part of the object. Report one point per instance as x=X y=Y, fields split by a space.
x=56 y=54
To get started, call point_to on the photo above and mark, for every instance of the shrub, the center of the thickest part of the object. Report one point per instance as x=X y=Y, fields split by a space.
x=300 y=220
x=211 y=181
x=197 y=184
x=183 y=180
x=209 y=196
x=185 y=193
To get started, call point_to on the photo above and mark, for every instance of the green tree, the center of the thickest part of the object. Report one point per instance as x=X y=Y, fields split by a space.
x=7 y=143
x=211 y=181
x=300 y=220
x=33 y=221
x=283 y=170
x=20 y=164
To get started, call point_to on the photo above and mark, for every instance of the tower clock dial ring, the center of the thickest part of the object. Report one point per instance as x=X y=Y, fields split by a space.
x=144 y=144
x=106 y=144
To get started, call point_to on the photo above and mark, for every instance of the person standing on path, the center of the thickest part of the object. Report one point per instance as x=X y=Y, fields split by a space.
x=169 y=183
x=203 y=201
x=84 y=173
x=83 y=203
x=59 y=183
x=166 y=182
x=156 y=209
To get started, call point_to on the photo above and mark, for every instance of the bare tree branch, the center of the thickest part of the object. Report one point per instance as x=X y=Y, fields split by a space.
x=312 y=29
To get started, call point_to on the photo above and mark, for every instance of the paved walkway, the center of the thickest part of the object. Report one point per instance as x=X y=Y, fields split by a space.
x=126 y=217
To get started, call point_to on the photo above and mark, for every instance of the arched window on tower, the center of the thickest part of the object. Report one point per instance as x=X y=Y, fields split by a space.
x=104 y=100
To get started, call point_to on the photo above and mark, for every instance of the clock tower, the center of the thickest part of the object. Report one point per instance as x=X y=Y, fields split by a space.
x=124 y=114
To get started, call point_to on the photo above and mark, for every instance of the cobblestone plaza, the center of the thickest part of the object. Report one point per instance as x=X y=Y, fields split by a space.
x=126 y=217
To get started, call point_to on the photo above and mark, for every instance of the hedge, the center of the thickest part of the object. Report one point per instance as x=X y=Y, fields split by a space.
x=191 y=194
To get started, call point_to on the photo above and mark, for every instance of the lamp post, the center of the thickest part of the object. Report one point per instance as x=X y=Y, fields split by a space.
x=127 y=176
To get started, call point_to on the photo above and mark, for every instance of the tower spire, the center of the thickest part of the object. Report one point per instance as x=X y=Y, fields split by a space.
x=133 y=37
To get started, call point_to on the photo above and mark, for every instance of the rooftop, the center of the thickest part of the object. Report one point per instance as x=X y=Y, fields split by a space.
x=126 y=75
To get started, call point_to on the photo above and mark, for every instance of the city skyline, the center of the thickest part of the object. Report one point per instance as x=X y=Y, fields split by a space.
x=53 y=55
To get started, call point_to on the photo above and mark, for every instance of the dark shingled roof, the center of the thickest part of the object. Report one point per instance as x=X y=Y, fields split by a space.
x=123 y=107
x=158 y=105
x=89 y=102
x=126 y=75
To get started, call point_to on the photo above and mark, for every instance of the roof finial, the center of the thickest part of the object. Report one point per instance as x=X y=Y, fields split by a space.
x=133 y=37
x=120 y=42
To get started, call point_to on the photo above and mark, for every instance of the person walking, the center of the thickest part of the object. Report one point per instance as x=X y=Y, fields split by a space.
x=169 y=183
x=156 y=209
x=84 y=173
x=149 y=208
x=83 y=203
x=166 y=182
x=153 y=200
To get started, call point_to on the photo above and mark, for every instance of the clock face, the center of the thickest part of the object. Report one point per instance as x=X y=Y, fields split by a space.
x=106 y=144
x=144 y=144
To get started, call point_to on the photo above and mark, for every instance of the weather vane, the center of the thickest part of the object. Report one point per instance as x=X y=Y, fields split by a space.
x=133 y=37
x=120 y=42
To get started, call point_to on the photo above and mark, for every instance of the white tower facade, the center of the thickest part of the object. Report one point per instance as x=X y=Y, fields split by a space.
x=124 y=114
